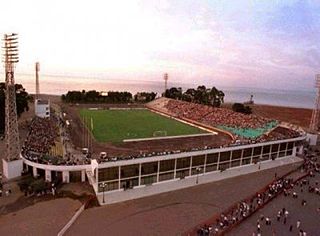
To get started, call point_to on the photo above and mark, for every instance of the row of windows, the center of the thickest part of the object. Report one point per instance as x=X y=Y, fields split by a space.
x=182 y=173
x=266 y=152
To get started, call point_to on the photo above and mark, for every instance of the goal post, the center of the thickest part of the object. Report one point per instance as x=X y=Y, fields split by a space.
x=160 y=133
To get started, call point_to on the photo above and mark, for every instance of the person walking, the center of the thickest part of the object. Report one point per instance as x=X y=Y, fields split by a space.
x=298 y=224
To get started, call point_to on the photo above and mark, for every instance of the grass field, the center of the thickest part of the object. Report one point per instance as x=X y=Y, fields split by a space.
x=117 y=125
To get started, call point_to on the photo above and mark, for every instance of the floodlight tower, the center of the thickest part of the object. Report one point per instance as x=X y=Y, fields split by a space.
x=165 y=77
x=10 y=58
x=314 y=123
x=37 y=80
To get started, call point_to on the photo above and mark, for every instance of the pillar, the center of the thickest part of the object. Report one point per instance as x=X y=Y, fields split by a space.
x=35 y=171
x=65 y=177
x=48 y=175
x=83 y=176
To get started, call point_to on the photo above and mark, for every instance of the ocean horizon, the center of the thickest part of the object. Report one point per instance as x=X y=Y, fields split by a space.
x=58 y=85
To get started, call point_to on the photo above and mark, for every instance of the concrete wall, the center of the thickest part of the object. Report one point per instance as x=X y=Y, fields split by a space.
x=312 y=139
x=12 y=169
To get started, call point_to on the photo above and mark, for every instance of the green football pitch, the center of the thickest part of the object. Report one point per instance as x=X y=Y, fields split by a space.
x=117 y=125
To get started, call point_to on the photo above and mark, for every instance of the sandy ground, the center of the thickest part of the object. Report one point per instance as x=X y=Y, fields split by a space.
x=174 y=212
x=44 y=218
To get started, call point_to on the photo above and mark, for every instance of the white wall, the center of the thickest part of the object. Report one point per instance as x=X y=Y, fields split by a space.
x=312 y=139
x=12 y=169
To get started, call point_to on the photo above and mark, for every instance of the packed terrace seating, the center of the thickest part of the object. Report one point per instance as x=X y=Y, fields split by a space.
x=215 y=116
x=227 y=119
x=41 y=138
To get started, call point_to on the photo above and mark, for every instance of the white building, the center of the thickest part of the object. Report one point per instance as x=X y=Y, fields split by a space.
x=42 y=108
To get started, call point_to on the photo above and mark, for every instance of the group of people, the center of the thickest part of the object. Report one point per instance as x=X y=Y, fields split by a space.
x=215 y=116
x=41 y=136
x=247 y=207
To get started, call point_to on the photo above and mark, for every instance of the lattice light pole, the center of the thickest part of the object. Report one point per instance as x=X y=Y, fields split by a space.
x=10 y=58
x=37 y=80
x=165 y=77
x=314 y=123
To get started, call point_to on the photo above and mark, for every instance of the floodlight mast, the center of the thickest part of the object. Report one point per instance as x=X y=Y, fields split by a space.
x=10 y=57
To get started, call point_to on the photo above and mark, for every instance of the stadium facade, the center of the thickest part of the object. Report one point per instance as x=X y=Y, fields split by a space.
x=121 y=180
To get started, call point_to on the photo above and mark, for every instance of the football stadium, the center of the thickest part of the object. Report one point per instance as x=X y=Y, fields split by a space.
x=129 y=151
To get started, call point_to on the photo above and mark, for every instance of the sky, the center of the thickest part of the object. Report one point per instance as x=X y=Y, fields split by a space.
x=237 y=43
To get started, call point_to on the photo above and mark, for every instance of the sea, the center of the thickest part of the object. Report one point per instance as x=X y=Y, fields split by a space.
x=58 y=85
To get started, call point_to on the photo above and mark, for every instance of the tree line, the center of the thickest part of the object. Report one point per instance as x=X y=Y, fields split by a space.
x=93 y=96
x=22 y=99
x=202 y=95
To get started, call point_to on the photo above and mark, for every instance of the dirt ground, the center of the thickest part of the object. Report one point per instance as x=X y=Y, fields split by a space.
x=44 y=218
x=297 y=116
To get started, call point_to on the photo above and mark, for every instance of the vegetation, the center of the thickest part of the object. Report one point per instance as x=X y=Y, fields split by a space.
x=239 y=107
x=93 y=96
x=22 y=99
x=202 y=95
x=117 y=125
x=144 y=97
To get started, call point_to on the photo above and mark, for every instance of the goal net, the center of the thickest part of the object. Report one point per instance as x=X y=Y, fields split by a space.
x=160 y=133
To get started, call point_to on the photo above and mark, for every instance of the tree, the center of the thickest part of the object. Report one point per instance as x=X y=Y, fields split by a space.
x=201 y=95
x=239 y=107
x=22 y=99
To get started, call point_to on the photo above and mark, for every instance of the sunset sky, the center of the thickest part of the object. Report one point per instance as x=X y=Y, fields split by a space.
x=254 y=43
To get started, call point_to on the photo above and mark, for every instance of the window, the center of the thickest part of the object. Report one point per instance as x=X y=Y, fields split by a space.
x=110 y=173
x=149 y=168
x=275 y=148
x=247 y=152
x=246 y=161
x=109 y=186
x=210 y=168
x=266 y=149
x=197 y=170
x=257 y=151
x=223 y=166
x=236 y=154
x=212 y=158
x=167 y=165
x=290 y=145
x=235 y=163
x=129 y=171
x=198 y=160
x=289 y=152
x=283 y=146
x=183 y=162
x=182 y=173
x=129 y=183
x=224 y=156
x=166 y=176
x=148 y=180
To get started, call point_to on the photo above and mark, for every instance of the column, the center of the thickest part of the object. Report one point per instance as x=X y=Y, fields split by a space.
x=48 y=175
x=83 y=175
x=175 y=168
x=205 y=163
x=190 y=165
x=35 y=171
x=65 y=177
x=158 y=172
x=139 y=174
